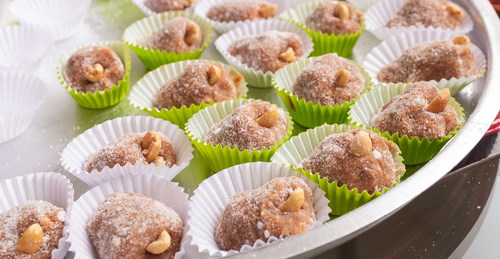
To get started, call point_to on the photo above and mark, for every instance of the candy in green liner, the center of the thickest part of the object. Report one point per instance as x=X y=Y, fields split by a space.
x=306 y=113
x=144 y=91
x=99 y=99
x=414 y=151
x=342 y=200
x=323 y=42
x=218 y=157
x=257 y=78
x=152 y=59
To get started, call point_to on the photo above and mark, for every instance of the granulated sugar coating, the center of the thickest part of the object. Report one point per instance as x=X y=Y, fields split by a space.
x=323 y=19
x=78 y=66
x=192 y=86
x=262 y=51
x=126 y=223
x=241 y=129
x=372 y=172
x=172 y=37
x=406 y=114
x=424 y=13
x=254 y=214
x=318 y=81
x=160 y=6
x=14 y=223
x=236 y=10
x=431 y=60
x=127 y=149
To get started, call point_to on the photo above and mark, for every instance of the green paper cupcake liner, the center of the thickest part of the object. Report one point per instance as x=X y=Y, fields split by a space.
x=153 y=59
x=323 y=42
x=143 y=93
x=342 y=200
x=99 y=99
x=306 y=113
x=218 y=157
x=414 y=151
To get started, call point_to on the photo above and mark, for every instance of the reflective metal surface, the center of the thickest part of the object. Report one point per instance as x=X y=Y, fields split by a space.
x=60 y=120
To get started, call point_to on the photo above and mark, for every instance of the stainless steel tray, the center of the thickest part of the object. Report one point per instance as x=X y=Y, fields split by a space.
x=60 y=120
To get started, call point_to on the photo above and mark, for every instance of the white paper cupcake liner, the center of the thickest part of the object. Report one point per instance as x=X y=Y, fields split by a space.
x=75 y=153
x=392 y=48
x=256 y=77
x=362 y=5
x=51 y=187
x=22 y=48
x=21 y=95
x=212 y=196
x=61 y=18
x=149 y=12
x=203 y=6
x=151 y=186
x=379 y=14
x=143 y=93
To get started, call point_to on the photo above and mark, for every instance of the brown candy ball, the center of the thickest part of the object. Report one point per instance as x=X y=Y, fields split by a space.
x=407 y=114
x=81 y=71
x=128 y=149
x=14 y=223
x=126 y=223
x=196 y=85
x=268 y=51
x=254 y=214
x=372 y=171
x=241 y=128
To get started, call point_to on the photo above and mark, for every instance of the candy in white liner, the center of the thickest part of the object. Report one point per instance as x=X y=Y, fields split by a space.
x=379 y=14
x=22 y=48
x=203 y=6
x=149 y=12
x=211 y=197
x=151 y=186
x=21 y=95
x=253 y=77
x=75 y=153
x=145 y=90
x=61 y=18
x=392 y=48
x=47 y=186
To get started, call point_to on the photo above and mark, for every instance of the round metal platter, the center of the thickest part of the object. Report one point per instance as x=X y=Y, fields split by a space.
x=60 y=119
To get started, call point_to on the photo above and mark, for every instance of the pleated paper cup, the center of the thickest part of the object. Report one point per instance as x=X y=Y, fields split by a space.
x=23 y=48
x=380 y=13
x=414 y=151
x=257 y=78
x=306 y=113
x=392 y=48
x=151 y=186
x=212 y=196
x=144 y=92
x=47 y=186
x=342 y=200
x=98 y=99
x=149 y=12
x=21 y=95
x=324 y=43
x=218 y=157
x=61 y=18
x=203 y=6
x=153 y=59
x=362 y=5
x=76 y=152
